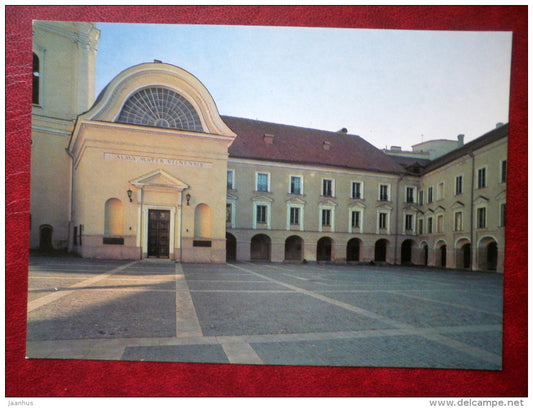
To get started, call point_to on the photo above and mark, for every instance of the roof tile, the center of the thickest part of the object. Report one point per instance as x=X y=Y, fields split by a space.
x=301 y=145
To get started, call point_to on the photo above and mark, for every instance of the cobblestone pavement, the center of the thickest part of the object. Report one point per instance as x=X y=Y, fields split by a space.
x=247 y=313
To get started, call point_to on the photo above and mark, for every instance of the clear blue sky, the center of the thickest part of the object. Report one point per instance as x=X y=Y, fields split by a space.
x=390 y=87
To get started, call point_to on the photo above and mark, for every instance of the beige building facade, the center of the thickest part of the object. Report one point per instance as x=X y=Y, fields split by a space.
x=150 y=169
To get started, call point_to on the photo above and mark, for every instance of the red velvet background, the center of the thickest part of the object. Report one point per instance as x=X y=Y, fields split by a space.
x=32 y=378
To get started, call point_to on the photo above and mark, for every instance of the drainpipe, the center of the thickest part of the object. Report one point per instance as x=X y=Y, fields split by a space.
x=180 y=232
x=70 y=244
x=471 y=154
x=397 y=219
x=141 y=226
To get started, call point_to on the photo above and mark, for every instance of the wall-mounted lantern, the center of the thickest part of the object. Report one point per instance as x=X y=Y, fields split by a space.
x=130 y=193
x=188 y=198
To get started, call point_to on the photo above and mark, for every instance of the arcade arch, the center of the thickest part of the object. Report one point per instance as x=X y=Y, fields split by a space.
x=294 y=248
x=260 y=248
x=324 y=249
x=353 y=250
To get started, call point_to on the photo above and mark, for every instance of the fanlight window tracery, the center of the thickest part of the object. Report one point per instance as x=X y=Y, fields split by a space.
x=160 y=107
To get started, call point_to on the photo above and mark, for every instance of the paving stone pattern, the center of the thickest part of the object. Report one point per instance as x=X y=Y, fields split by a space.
x=249 y=313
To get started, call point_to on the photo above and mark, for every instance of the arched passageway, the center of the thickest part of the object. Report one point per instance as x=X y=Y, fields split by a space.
x=323 y=249
x=260 y=248
x=463 y=255
x=442 y=255
x=425 y=254
x=231 y=247
x=45 y=238
x=353 y=250
x=487 y=254
x=380 y=250
x=406 y=252
x=294 y=248
x=492 y=256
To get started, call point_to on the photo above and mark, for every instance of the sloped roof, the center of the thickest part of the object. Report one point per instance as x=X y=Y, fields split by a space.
x=301 y=145
x=411 y=165
x=489 y=137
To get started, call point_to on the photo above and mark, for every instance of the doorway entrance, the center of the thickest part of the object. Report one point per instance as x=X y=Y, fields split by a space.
x=158 y=233
x=45 y=238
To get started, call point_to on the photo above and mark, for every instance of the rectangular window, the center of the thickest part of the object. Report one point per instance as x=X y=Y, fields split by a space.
x=440 y=223
x=409 y=195
x=502 y=215
x=482 y=178
x=356 y=219
x=458 y=223
x=430 y=195
x=231 y=180
x=356 y=190
x=430 y=225
x=440 y=191
x=503 y=172
x=327 y=188
x=408 y=222
x=382 y=220
x=326 y=218
x=261 y=214
x=295 y=216
x=296 y=185
x=421 y=197
x=384 y=192
x=420 y=226
x=459 y=185
x=482 y=217
x=262 y=182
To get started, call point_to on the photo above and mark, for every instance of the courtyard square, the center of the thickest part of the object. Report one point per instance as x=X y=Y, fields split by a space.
x=264 y=313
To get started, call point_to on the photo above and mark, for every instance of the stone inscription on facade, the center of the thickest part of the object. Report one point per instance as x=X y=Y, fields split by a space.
x=157 y=160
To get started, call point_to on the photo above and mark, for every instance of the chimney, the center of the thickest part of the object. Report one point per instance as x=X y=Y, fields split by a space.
x=460 y=140
x=268 y=138
x=343 y=130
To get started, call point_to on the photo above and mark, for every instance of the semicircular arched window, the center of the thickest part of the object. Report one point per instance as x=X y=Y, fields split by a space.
x=160 y=107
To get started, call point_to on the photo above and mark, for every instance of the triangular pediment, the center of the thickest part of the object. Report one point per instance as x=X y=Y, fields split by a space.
x=410 y=207
x=296 y=201
x=384 y=206
x=263 y=199
x=440 y=209
x=358 y=204
x=502 y=196
x=457 y=205
x=231 y=197
x=328 y=203
x=480 y=200
x=159 y=178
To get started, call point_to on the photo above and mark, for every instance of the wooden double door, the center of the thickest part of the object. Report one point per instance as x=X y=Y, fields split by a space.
x=158 y=233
